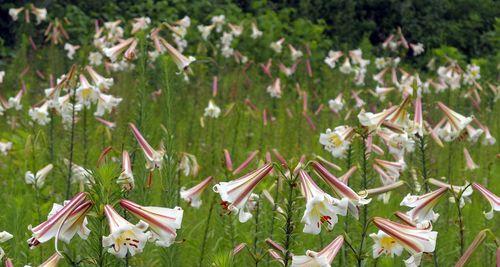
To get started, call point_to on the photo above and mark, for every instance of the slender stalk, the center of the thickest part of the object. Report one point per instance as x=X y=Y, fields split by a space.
x=256 y=232
x=344 y=260
x=205 y=232
x=364 y=185
x=289 y=226
x=71 y=145
x=423 y=161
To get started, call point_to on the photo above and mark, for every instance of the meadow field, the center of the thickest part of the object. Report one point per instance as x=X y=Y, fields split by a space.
x=218 y=139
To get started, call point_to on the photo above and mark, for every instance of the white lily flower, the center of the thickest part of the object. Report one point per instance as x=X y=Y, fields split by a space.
x=212 y=110
x=4 y=236
x=493 y=199
x=38 y=179
x=163 y=221
x=256 y=33
x=124 y=237
x=323 y=258
x=40 y=114
x=274 y=89
x=385 y=244
x=337 y=141
x=193 y=194
x=423 y=205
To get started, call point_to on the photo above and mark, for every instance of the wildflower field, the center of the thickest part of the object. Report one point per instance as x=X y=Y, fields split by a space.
x=229 y=137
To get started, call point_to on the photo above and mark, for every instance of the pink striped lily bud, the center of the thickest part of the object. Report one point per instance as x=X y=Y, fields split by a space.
x=276 y=256
x=163 y=222
x=382 y=189
x=341 y=189
x=124 y=237
x=53 y=261
x=108 y=124
x=63 y=222
x=154 y=158
x=8 y=263
x=246 y=162
x=322 y=258
x=309 y=121
x=238 y=248
x=236 y=193
x=389 y=171
x=275 y=246
x=493 y=199
x=478 y=240
x=193 y=194
x=267 y=68
x=418 y=121
x=215 y=86
x=126 y=178
x=415 y=241
x=280 y=158
x=469 y=163
x=422 y=206
x=228 y=161
x=321 y=208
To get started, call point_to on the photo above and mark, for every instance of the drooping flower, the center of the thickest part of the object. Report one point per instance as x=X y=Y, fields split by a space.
x=346 y=68
x=256 y=33
x=321 y=208
x=126 y=178
x=414 y=240
x=464 y=191
x=80 y=175
x=236 y=193
x=5 y=147
x=341 y=189
x=337 y=141
x=106 y=103
x=337 y=104
x=423 y=205
x=139 y=24
x=101 y=82
x=490 y=197
x=63 y=222
x=14 y=13
x=114 y=52
x=189 y=164
x=71 y=50
x=180 y=60
x=373 y=121
x=95 y=58
x=15 y=102
x=295 y=54
x=163 y=221
x=40 y=14
x=278 y=45
x=274 y=89
x=154 y=158
x=86 y=94
x=456 y=121
x=212 y=110
x=40 y=114
x=193 y=194
x=385 y=244
x=323 y=258
x=38 y=179
x=124 y=237
x=332 y=58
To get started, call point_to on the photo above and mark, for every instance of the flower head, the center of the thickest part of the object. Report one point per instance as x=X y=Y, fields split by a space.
x=423 y=205
x=126 y=178
x=193 y=194
x=38 y=179
x=236 y=193
x=493 y=199
x=385 y=244
x=321 y=208
x=124 y=237
x=163 y=221
x=337 y=141
x=154 y=158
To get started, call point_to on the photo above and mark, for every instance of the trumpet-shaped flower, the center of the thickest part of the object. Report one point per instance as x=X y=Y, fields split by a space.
x=193 y=194
x=423 y=205
x=40 y=114
x=212 y=110
x=14 y=13
x=336 y=104
x=274 y=89
x=321 y=208
x=114 y=52
x=323 y=258
x=414 y=240
x=124 y=236
x=337 y=141
x=163 y=221
x=341 y=189
x=256 y=33
x=373 y=121
x=189 y=164
x=38 y=179
x=101 y=82
x=180 y=60
x=278 y=45
x=126 y=178
x=332 y=58
x=154 y=158
x=63 y=222
x=15 y=102
x=40 y=14
x=457 y=121
x=106 y=103
x=490 y=197
x=236 y=193
x=385 y=244
x=469 y=162
x=464 y=191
